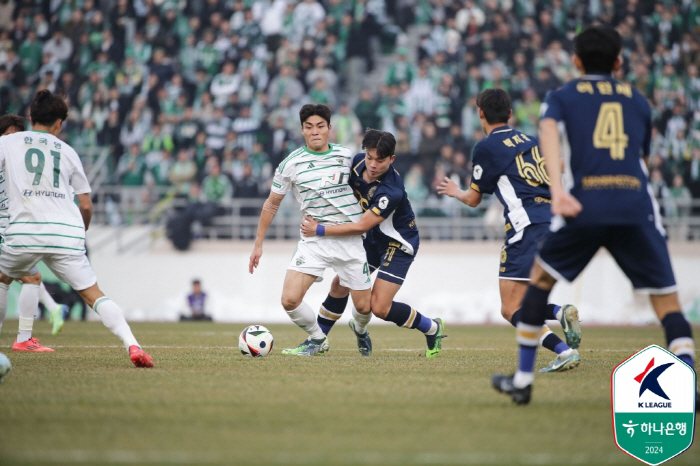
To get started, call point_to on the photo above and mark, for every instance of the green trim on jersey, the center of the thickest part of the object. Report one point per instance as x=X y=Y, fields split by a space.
x=325 y=152
x=44 y=234
x=41 y=246
x=318 y=168
x=342 y=195
x=45 y=223
x=309 y=181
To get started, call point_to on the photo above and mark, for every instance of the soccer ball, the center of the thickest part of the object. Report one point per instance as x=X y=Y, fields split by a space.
x=5 y=366
x=255 y=341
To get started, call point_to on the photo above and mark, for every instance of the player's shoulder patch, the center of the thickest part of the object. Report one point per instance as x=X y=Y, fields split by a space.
x=478 y=172
x=383 y=202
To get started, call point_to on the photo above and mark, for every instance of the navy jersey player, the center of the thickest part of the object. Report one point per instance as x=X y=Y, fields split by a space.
x=391 y=244
x=508 y=163
x=608 y=202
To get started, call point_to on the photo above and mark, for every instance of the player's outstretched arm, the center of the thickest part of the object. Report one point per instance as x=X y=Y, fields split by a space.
x=85 y=207
x=563 y=203
x=369 y=220
x=268 y=213
x=470 y=197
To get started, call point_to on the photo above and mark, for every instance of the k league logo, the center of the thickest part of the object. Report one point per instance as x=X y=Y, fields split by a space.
x=653 y=404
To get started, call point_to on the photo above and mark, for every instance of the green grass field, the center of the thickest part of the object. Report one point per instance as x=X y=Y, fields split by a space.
x=205 y=404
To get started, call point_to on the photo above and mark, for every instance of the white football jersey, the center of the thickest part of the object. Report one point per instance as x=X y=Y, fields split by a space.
x=42 y=174
x=319 y=181
x=4 y=215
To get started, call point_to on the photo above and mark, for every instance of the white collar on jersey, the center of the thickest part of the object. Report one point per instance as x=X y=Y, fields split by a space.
x=502 y=131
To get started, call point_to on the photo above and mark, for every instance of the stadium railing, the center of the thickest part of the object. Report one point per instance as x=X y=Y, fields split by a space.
x=150 y=208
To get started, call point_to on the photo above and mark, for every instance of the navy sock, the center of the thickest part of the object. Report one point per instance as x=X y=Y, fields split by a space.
x=679 y=336
x=534 y=307
x=331 y=310
x=532 y=317
x=526 y=363
x=552 y=310
x=404 y=316
x=554 y=343
x=515 y=318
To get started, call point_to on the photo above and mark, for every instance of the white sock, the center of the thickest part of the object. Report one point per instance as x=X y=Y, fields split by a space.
x=113 y=318
x=361 y=321
x=3 y=302
x=305 y=318
x=523 y=379
x=433 y=327
x=28 y=304
x=558 y=314
x=46 y=299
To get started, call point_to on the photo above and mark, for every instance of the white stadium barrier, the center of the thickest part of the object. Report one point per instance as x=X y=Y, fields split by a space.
x=454 y=280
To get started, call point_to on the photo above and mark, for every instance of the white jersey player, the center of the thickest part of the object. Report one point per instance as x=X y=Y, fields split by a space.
x=10 y=124
x=318 y=175
x=43 y=176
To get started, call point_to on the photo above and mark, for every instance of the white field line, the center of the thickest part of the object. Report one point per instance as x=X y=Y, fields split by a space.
x=332 y=350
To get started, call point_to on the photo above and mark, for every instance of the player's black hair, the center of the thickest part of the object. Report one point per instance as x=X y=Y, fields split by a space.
x=48 y=107
x=310 y=110
x=9 y=120
x=383 y=141
x=496 y=105
x=598 y=47
x=196 y=281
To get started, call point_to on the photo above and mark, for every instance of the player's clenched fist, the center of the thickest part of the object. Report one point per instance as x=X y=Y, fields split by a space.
x=565 y=205
x=308 y=226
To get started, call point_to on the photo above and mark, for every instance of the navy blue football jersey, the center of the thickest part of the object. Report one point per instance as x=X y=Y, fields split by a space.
x=608 y=125
x=386 y=197
x=508 y=163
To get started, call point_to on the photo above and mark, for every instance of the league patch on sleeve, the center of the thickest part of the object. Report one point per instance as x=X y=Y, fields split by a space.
x=478 y=171
x=383 y=202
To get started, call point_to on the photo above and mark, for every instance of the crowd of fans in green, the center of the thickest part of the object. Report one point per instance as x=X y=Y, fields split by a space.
x=201 y=96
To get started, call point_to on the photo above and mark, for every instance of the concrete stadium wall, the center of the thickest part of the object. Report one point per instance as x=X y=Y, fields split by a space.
x=456 y=281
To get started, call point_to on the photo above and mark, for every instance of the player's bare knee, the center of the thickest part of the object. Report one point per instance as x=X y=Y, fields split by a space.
x=289 y=303
x=540 y=278
x=507 y=312
x=362 y=300
x=380 y=307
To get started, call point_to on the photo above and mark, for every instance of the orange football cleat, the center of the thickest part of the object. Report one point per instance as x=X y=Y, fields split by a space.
x=32 y=345
x=139 y=357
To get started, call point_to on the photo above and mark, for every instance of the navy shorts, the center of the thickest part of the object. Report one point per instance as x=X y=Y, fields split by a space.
x=517 y=258
x=639 y=250
x=390 y=262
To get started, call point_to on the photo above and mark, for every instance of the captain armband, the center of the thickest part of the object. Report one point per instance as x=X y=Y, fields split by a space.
x=270 y=207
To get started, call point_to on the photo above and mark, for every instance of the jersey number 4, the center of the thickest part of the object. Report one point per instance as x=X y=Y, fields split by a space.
x=38 y=167
x=609 y=130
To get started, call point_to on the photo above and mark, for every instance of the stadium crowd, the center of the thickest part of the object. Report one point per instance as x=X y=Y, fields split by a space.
x=202 y=97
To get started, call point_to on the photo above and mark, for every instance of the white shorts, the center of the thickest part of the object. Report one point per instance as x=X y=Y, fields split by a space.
x=344 y=254
x=73 y=270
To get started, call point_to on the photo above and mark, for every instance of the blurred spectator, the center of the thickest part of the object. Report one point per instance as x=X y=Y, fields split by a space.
x=227 y=78
x=183 y=173
x=196 y=304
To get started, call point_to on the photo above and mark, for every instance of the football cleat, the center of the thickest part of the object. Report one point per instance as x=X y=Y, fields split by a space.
x=569 y=323
x=139 y=357
x=563 y=363
x=316 y=347
x=364 y=343
x=32 y=345
x=302 y=346
x=435 y=341
x=57 y=318
x=504 y=384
